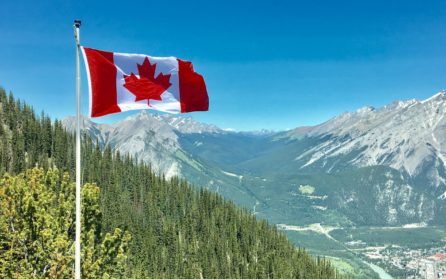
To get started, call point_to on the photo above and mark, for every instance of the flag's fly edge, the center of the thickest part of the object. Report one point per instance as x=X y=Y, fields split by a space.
x=193 y=93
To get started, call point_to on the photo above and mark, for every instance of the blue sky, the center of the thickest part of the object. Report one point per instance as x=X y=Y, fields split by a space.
x=267 y=64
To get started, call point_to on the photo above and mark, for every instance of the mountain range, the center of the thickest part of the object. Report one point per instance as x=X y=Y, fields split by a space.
x=373 y=166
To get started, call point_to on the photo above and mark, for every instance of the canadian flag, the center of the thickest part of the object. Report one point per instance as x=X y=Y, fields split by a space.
x=120 y=82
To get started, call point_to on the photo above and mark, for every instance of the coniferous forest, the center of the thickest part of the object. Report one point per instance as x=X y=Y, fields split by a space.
x=135 y=224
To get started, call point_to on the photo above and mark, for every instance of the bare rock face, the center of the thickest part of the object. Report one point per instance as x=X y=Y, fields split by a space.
x=148 y=137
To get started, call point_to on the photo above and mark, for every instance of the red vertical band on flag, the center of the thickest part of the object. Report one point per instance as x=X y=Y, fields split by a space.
x=193 y=93
x=102 y=77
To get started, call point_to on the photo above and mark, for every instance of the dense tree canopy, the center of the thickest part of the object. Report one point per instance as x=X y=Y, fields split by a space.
x=177 y=231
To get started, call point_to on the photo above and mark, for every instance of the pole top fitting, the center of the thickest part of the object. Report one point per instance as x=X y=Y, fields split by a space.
x=77 y=23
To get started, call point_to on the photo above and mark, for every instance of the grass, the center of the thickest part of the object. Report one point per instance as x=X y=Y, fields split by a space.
x=306 y=189
x=346 y=262
x=313 y=241
x=341 y=265
x=415 y=238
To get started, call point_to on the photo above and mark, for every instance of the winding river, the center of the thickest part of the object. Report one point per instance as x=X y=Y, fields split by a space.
x=381 y=272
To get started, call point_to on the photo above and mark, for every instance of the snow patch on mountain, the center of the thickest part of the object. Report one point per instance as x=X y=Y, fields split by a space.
x=187 y=125
x=240 y=177
x=404 y=135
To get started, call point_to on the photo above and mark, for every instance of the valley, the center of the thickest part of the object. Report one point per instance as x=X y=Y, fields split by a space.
x=333 y=188
x=398 y=250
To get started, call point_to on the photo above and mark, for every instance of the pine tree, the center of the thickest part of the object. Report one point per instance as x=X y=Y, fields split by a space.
x=37 y=229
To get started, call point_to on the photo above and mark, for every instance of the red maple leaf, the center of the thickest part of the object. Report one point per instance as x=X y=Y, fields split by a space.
x=147 y=87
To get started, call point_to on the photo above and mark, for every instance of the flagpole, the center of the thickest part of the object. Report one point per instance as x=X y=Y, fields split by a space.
x=77 y=252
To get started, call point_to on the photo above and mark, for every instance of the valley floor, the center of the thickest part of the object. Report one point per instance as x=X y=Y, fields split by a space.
x=372 y=252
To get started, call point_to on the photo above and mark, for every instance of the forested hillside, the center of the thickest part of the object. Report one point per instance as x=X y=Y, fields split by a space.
x=177 y=231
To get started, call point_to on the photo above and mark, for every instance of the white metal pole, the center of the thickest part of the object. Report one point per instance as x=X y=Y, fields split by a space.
x=77 y=253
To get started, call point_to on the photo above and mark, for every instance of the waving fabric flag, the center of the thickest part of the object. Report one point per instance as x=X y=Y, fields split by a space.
x=120 y=82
